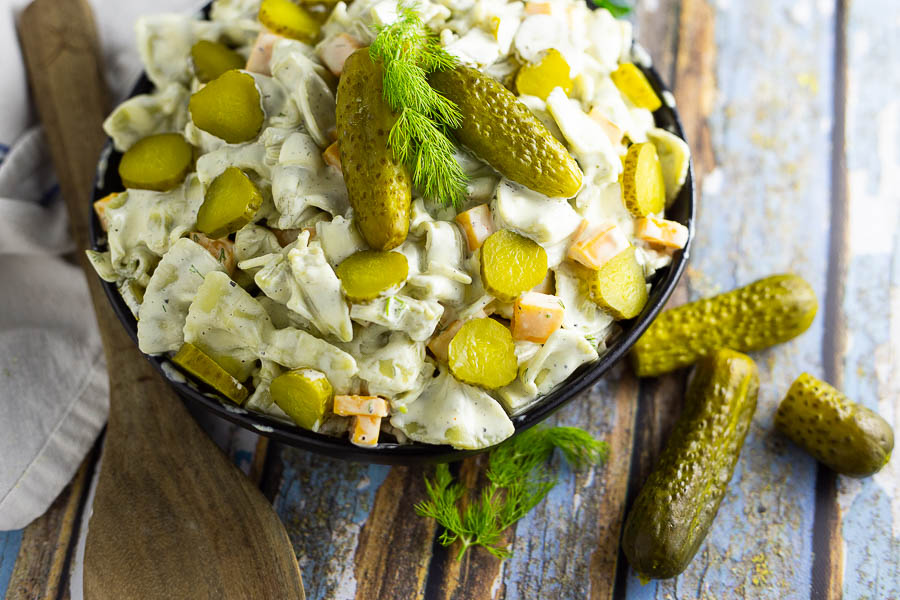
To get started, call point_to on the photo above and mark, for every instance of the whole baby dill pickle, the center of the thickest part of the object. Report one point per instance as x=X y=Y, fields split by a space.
x=377 y=183
x=676 y=507
x=845 y=436
x=767 y=312
x=505 y=133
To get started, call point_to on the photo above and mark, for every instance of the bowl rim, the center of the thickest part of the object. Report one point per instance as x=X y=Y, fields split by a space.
x=663 y=282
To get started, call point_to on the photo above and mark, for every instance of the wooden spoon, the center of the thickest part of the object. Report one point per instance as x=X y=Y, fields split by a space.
x=172 y=517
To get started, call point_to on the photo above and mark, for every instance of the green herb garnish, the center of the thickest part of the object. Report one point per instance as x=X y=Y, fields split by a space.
x=615 y=8
x=518 y=481
x=408 y=52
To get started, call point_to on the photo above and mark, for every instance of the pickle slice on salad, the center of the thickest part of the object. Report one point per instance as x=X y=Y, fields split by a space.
x=197 y=363
x=289 y=19
x=305 y=395
x=541 y=78
x=634 y=85
x=643 y=186
x=157 y=162
x=369 y=273
x=618 y=286
x=511 y=264
x=228 y=107
x=483 y=353
x=231 y=202
x=211 y=59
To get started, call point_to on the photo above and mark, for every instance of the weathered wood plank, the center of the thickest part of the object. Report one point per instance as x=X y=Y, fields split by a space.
x=769 y=120
x=869 y=510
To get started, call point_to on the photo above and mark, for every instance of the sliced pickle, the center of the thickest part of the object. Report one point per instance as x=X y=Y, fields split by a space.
x=483 y=353
x=643 y=186
x=230 y=203
x=228 y=107
x=618 y=286
x=632 y=82
x=157 y=162
x=541 y=78
x=211 y=59
x=197 y=363
x=305 y=395
x=367 y=274
x=288 y=19
x=511 y=264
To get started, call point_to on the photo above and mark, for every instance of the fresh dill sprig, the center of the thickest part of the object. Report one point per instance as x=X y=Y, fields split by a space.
x=518 y=480
x=408 y=51
x=614 y=7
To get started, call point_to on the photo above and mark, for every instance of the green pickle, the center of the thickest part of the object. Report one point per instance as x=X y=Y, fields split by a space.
x=211 y=59
x=643 y=185
x=539 y=79
x=845 y=436
x=767 y=312
x=634 y=85
x=305 y=395
x=157 y=162
x=511 y=264
x=289 y=19
x=369 y=273
x=618 y=286
x=231 y=202
x=228 y=107
x=197 y=363
x=483 y=353
x=378 y=184
x=505 y=133
x=676 y=507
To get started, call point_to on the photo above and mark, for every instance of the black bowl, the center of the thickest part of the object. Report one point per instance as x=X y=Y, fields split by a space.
x=664 y=282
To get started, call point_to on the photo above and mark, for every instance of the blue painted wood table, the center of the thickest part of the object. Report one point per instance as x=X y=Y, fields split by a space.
x=792 y=111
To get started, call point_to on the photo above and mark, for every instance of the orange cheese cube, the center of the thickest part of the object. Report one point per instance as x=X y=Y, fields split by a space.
x=538 y=8
x=536 y=316
x=596 y=244
x=222 y=249
x=261 y=53
x=661 y=232
x=369 y=406
x=477 y=224
x=364 y=431
x=609 y=128
x=440 y=344
x=100 y=209
x=335 y=51
x=332 y=156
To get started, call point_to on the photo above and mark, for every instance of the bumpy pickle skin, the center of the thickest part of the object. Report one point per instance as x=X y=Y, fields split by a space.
x=845 y=436
x=194 y=361
x=767 y=312
x=211 y=59
x=483 y=353
x=305 y=395
x=633 y=83
x=369 y=273
x=541 y=78
x=511 y=264
x=231 y=202
x=228 y=107
x=506 y=134
x=378 y=184
x=643 y=185
x=157 y=162
x=674 y=510
x=617 y=287
x=288 y=19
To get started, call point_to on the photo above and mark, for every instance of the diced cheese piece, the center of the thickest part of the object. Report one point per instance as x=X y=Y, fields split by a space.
x=538 y=8
x=365 y=430
x=612 y=131
x=100 y=208
x=669 y=234
x=335 y=51
x=477 y=224
x=332 y=156
x=440 y=344
x=261 y=53
x=596 y=244
x=536 y=316
x=222 y=249
x=370 y=406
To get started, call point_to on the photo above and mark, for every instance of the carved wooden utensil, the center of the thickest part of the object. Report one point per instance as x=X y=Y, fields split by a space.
x=172 y=517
